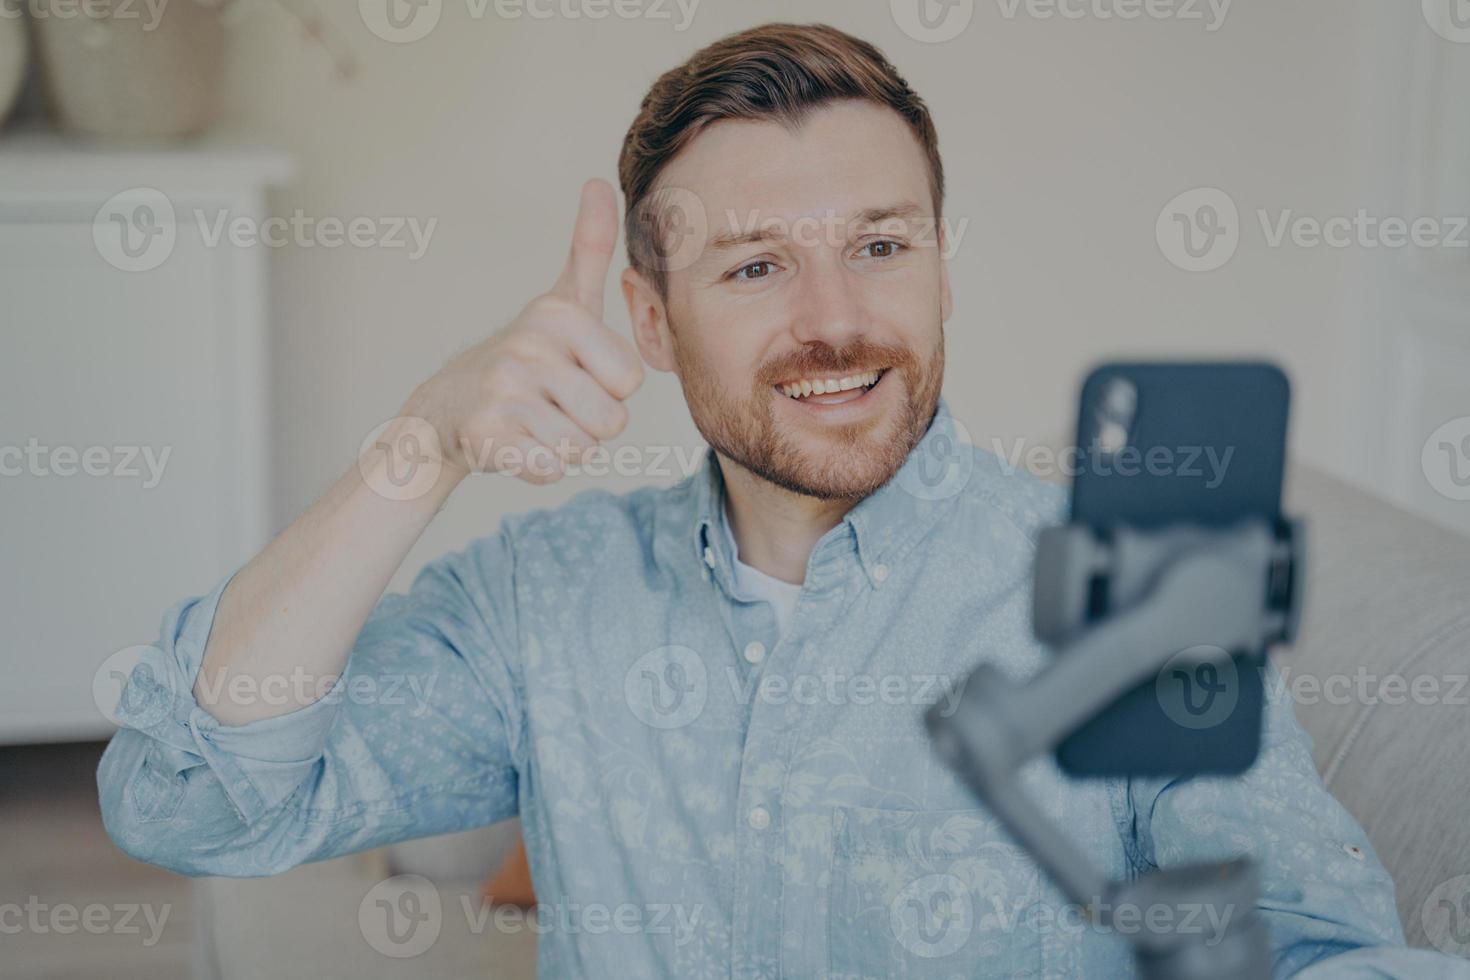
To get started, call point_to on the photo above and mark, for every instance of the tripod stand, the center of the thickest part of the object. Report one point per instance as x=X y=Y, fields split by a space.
x=1201 y=591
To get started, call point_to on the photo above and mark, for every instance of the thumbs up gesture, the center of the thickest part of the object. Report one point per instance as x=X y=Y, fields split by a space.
x=552 y=383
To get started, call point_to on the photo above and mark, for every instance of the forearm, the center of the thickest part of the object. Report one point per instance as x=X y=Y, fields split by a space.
x=294 y=611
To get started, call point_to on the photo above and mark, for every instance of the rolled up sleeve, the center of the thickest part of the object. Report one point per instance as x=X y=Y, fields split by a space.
x=419 y=735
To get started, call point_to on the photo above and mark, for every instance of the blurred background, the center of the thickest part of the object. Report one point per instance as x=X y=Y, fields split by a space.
x=234 y=235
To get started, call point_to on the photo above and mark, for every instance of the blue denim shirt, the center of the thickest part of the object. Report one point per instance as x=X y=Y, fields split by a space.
x=592 y=669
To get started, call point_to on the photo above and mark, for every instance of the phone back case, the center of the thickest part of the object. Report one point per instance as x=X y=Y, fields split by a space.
x=1164 y=444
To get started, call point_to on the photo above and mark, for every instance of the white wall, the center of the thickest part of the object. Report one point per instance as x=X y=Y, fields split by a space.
x=1063 y=140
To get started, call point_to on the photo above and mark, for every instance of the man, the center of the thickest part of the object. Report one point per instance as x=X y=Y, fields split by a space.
x=704 y=701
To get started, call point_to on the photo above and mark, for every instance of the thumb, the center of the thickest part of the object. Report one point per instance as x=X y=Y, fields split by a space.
x=593 y=241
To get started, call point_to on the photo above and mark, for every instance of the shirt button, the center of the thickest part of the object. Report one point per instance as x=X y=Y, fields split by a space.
x=709 y=557
x=880 y=574
x=760 y=818
x=755 y=651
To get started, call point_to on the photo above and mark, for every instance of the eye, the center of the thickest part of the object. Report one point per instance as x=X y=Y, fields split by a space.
x=883 y=248
x=753 y=270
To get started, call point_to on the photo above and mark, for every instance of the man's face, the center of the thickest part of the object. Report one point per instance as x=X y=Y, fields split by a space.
x=820 y=269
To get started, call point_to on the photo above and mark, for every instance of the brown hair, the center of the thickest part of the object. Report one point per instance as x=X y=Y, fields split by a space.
x=772 y=72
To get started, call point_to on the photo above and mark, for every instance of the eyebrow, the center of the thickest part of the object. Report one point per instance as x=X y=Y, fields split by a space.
x=868 y=216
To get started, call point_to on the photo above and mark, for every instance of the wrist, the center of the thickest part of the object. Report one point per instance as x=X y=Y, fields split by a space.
x=407 y=459
x=425 y=407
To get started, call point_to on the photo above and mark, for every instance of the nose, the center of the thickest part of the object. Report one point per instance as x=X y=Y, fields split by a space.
x=829 y=306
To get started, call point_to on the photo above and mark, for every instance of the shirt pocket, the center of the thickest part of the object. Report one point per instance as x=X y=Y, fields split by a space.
x=919 y=894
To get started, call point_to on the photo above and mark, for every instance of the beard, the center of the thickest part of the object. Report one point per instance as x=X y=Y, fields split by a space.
x=836 y=462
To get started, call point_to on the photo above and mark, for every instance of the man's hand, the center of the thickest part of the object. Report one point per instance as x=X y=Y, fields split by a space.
x=551 y=384
x=553 y=381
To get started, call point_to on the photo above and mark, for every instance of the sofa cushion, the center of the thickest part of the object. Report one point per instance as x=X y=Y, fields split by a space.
x=1379 y=676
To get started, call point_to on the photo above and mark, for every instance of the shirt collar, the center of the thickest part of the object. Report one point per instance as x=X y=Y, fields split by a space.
x=884 y=524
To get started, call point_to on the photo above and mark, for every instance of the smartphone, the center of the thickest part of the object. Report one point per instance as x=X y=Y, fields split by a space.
x=1170 y=444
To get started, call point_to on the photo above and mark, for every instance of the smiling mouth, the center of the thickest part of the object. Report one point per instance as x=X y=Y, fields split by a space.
x=831 y=390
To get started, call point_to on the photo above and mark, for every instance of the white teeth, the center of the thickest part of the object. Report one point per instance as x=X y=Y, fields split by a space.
x=822 y=386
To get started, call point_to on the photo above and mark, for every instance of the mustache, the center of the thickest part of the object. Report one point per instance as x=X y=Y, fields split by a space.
x=821 y=358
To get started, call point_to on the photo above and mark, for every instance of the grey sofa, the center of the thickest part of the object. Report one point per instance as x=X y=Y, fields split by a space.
x=1388 y=596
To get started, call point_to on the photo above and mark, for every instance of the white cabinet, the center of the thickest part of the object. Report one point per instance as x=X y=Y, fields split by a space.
x=133 y=458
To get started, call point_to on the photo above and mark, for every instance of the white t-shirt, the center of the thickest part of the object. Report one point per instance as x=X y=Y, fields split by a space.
x=758 y=585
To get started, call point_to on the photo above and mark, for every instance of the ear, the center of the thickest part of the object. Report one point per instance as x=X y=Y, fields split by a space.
x=650 y=320
x=946 y=298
